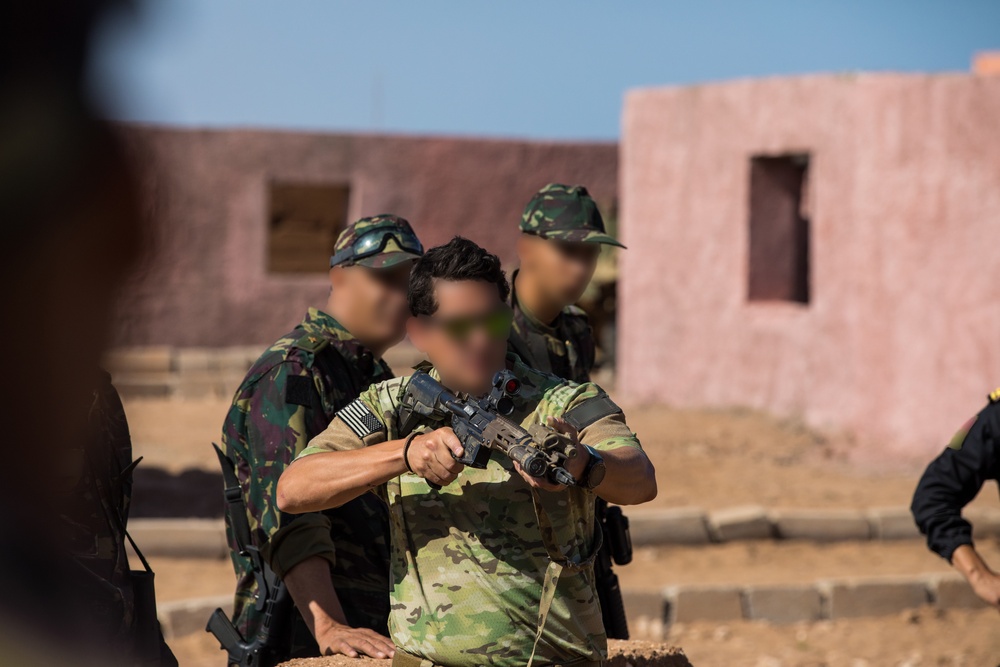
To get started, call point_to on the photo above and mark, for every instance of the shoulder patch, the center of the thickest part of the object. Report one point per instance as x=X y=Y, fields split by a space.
x=300 y=390
x=359 y=417
x=311 y=343
x=958 y=439
x=590 y=410
x=995 y=396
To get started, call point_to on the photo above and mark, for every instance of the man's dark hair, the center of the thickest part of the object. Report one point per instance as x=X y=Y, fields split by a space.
x=459 y=259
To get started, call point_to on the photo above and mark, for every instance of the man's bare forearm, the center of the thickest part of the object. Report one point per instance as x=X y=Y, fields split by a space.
x=311 y=587
x=630 y=478
x=330 y=479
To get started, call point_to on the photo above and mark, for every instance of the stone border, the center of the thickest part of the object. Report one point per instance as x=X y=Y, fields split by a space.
x=688 y=525
x=201 y=372
x=651 y=614
x=205 y=538
x=829 y=599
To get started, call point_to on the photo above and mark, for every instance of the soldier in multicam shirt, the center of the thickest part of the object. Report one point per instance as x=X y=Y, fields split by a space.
x=495 y=568
x=335 y=563
x=562 y=233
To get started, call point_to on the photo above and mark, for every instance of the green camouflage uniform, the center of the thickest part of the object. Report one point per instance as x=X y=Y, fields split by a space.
x=469 y=561
x=566 y=346
x=290 y=394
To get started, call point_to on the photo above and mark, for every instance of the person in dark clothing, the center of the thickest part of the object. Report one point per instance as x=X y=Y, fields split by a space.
x=950 y=482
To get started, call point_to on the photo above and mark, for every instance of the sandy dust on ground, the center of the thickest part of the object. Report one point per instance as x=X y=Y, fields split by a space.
x=919 y=638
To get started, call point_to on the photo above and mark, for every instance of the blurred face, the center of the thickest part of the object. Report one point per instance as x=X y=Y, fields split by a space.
x=563 y=269
x=374 y=301
x=466 y=338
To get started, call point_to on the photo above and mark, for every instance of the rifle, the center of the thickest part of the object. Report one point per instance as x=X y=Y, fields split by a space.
x=262 y=651
x=617 y=547
x=482 y=426
x=270 y=646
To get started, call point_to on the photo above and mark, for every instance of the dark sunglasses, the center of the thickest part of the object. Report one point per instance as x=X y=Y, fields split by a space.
x=496 y=324
x=374 y=240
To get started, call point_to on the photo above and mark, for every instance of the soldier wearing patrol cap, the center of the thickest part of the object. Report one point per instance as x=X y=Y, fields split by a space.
x=334 y=564
x=562 y=233
x=950 y=482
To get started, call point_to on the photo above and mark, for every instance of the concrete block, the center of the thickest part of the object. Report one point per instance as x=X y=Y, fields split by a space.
x=646 y=613
x=145 y=385
x=683 y=525
x=187 y=617
x=874 y=597
x=235 y=359
x=954 y=592
x=783 y=604
x=187 y=538
x=703 y=603
x=892 y=523
x=748 y=522
x=140 y=360
x=821 y=525
x=649 y=603
x=196 y=360
x=198 y=384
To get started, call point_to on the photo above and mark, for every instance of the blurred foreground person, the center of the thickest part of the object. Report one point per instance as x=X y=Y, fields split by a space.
x=562 y=232
x=70 y=229
x=491 y=564
x=334 y=564
x=950 y=482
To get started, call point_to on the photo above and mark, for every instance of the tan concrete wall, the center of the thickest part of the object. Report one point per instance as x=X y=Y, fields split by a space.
x=206 y=284
x=899 y=344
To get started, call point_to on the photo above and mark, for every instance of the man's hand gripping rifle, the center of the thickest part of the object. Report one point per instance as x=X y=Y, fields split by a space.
x=482 y=426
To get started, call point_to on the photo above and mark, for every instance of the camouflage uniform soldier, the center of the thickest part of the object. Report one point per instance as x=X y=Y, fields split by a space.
x=338 y=559
x=562 y=233
x=487 y=569
x=562 y=236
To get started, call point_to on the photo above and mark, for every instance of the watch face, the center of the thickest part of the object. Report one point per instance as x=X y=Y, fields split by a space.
x=596 y=475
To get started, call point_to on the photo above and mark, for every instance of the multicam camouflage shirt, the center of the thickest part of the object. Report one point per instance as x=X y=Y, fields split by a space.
x=469 y=561
x=564 y=348
x=289 y=395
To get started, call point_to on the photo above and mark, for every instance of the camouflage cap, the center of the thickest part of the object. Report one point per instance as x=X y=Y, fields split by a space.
x=377 y=242
x=567 y=213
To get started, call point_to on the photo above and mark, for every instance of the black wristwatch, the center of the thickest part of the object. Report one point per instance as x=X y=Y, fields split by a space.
x=594 y=473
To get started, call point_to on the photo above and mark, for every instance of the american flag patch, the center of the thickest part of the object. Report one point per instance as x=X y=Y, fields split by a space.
x=361 y=420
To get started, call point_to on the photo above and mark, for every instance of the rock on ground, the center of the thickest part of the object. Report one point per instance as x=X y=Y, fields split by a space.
x=620 y=654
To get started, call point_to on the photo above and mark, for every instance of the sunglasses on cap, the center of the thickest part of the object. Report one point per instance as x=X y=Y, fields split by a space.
x=374 y=240
x=496 y=324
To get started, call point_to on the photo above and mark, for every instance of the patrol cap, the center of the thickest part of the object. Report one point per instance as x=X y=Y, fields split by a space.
x=377 y=242
x=566 y=213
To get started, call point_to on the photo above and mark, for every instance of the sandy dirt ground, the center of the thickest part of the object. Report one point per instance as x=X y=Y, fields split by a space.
x=708 y=459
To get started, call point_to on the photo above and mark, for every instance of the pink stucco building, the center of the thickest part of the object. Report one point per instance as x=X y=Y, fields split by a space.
x=243 y=221
x=821 y=247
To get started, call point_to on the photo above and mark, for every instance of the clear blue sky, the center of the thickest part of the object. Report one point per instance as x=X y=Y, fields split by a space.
x=543 y=69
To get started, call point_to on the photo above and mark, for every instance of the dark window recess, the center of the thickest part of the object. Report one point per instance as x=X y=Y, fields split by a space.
x=303 y=223
x=779 y=229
